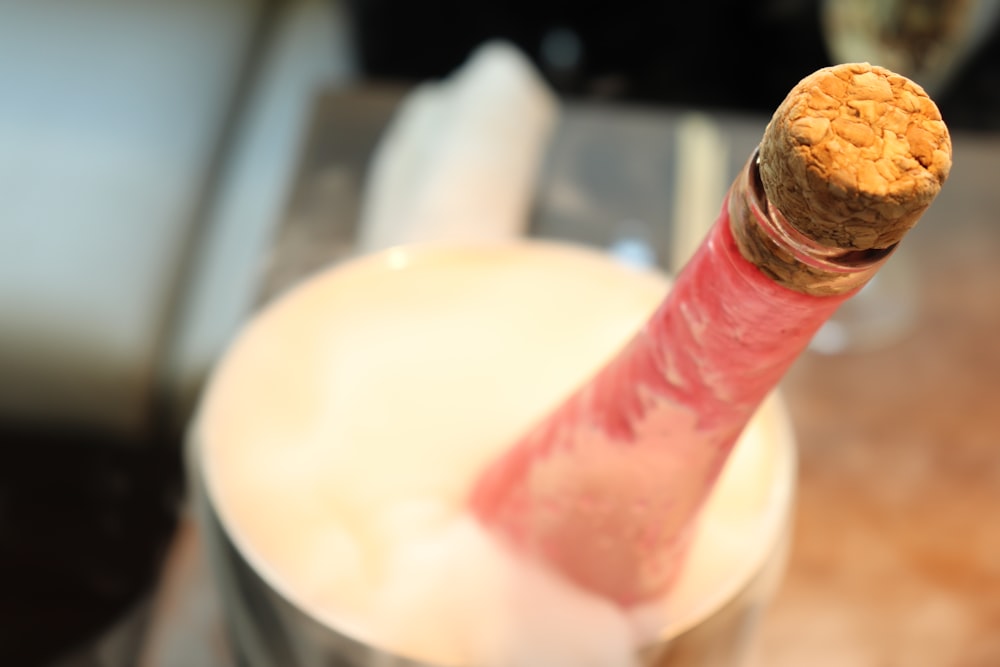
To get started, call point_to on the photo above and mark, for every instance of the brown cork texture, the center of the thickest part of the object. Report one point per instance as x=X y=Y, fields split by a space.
x=776 y=261
x=854 y=155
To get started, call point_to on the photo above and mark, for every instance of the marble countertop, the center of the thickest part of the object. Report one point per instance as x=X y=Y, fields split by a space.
x=895 y=558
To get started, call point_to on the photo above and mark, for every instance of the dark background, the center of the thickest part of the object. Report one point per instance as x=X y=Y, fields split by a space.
x=727 y=54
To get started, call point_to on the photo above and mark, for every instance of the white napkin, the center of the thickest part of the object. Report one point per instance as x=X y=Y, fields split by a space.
x=460 y=159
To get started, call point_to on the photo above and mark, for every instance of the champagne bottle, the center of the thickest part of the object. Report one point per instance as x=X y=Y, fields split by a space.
x=606 y=489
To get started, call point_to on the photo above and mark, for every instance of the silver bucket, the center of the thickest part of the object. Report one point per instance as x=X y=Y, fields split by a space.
x=267 y=629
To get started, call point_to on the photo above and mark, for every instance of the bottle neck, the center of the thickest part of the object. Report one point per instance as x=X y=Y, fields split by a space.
x=771 y=242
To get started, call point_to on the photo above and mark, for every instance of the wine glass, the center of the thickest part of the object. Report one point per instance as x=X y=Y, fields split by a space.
x=927 y=41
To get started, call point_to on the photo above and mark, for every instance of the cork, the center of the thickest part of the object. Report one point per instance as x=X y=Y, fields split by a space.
x=853 y=157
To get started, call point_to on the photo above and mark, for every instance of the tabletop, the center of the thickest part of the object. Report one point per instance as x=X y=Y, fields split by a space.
x=895 y=558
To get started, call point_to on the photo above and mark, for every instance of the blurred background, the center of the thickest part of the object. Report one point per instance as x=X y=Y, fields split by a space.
x=149 y=150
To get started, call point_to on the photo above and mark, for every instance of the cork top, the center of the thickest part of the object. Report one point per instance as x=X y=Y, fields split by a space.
x=854 y=155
